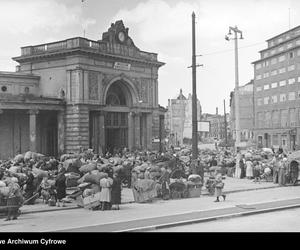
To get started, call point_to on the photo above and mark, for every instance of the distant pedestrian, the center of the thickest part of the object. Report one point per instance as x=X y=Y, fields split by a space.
x=116 y=190
x=60 y=185
x=282 y=171
x=219 y=185
x=249 y=169
x=242 y=167
x=276 y=167
x=105 y=193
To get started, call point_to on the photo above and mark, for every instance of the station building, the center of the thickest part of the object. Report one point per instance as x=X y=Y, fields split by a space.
x=75 y=94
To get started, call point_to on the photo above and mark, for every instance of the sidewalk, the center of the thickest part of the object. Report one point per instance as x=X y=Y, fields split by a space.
x=136 y=213
x=232 y=185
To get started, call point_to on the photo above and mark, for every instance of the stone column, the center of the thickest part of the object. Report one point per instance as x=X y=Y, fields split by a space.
x=149 y=126
x=102 y=144
x=131 y=130
x=138 y=130
x=32 y=130
x=61 y=132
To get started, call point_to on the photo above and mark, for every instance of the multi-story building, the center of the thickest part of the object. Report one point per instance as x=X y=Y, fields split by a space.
x=78 y=93
x=277 y=91
x=178 y=119
x=246 y=113
x=216 y=126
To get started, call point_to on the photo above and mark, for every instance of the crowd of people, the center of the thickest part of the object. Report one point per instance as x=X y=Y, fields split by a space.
x=30 y=176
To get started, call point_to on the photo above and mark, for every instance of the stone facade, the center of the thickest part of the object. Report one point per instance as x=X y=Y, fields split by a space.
x=277 y=92
x=88 y=82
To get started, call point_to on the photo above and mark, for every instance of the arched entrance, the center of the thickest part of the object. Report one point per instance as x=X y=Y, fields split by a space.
x=118 y=99
x=110 y=128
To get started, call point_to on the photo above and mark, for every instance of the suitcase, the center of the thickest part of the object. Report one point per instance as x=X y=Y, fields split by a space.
x=92 y=201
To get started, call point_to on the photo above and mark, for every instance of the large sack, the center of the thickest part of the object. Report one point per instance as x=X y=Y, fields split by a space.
x=28 y=155
x=65 y=157
x=96 y=171
x=72 y=175
x=141 y=175
x=81 y=180
x=155 y=175
x=154 y=168
x=144 y=185
x=96 y=188
x=88 y=167
x=195 y=178
x=115 y=161
x=4 y=191
x=14 y=169
x=39 y=173
x=95 y=178
x=87 y=192
x=19 y=158
x=75 y=163
x=2 y=184
x=104 y=167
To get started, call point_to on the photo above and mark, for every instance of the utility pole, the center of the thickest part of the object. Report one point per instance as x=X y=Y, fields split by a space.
x=194 y=96
x=236 y=90
x=225 y=124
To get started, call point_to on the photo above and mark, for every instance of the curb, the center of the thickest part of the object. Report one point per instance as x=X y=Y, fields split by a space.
x=227 y=216
x=131 y=202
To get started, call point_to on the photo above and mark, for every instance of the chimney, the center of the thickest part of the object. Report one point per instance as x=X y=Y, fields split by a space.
x=216 y=110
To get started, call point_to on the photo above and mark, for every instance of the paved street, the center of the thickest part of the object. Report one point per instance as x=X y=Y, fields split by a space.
x=280 y=221
x=85 y=220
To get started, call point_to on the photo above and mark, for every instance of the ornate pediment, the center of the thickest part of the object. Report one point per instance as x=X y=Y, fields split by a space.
x=117 y=33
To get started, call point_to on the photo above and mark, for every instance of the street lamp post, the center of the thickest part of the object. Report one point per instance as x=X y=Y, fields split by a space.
x=236 y=90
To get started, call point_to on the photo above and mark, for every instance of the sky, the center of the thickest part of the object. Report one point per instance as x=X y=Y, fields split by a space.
x=159 y=26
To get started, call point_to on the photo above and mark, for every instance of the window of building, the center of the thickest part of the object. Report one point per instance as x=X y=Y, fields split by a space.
x=284 y=117
x=274 y=99
x=266 y=74
x=280 y=40
x=292 y=81
x=260 y=119
x=258 y=66
x=282 y=97
x=273 y=51
x=280 y=48
x=275 y=119
x=281 y=58
x=299 y=79
x=259 y=101
x=259 y=88
x=292 y=96
x=258 y=77
x=298 y=52
x=290 y=45
x=267 y=86
x=281 y=70
x=266 y=100
x=274 y=85
x=291 y=55
x=298 y=42
x=265 y=54
x=265 y=63
x=271 y=43
x=298 y=94
x=293 y=120
x=291 y=67
x=282 y=83
x=268 y=121
x=274 y=72
x=273 y=61
x=275 y=140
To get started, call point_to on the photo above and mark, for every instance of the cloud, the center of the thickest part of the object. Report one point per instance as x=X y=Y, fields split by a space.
x=24 y=17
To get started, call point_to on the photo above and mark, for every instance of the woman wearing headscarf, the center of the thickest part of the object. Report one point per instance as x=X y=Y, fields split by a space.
x=282 y=170
x=60 y=186
x=14 y=199
x=249 y=169
x=105 y=193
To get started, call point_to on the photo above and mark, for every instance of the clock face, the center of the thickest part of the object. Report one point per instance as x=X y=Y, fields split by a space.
x=121 y=36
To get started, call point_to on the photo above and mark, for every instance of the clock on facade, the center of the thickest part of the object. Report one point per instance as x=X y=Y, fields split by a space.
x=121 y=36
